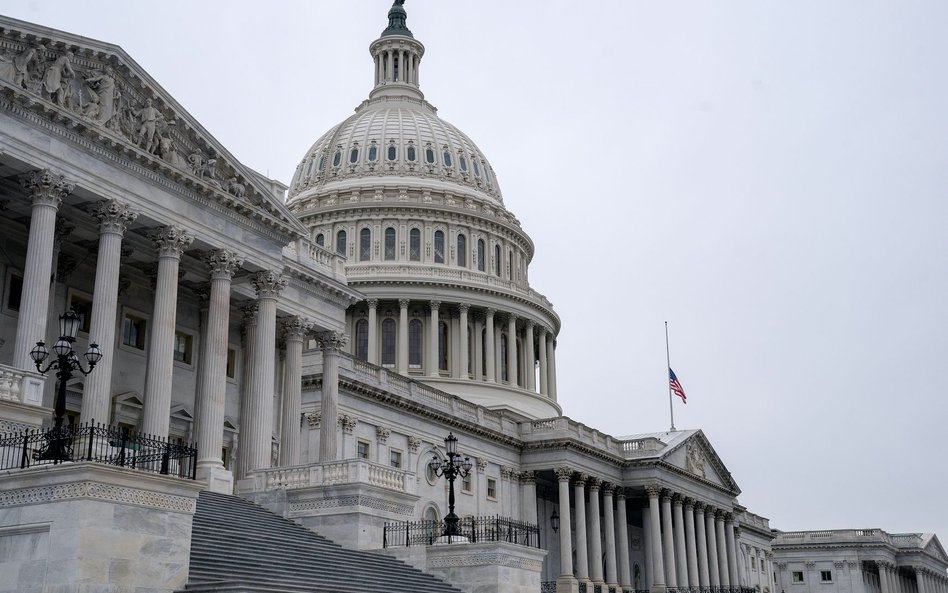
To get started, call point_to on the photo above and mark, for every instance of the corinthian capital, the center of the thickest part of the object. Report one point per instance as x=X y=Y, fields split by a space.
x=296 y=328
x=113 y=216
x=268 y=284
x=332 y=339
x=171 y=241
x=653 y=490
x=46 y=188
x=563 y=474
x=223 y=263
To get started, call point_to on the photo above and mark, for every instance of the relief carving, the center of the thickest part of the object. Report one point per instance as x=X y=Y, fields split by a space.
x=694 y=460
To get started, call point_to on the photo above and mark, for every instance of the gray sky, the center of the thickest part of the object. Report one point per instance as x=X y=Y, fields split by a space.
x=763 y=175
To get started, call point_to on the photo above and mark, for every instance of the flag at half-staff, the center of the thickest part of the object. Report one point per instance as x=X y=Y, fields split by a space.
x=676 y=387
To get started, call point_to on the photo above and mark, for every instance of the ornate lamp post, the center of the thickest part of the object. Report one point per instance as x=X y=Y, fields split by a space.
x=452 y=468
x=59 y=445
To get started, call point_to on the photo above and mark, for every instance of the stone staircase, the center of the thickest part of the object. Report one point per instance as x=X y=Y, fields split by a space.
x=240 y=547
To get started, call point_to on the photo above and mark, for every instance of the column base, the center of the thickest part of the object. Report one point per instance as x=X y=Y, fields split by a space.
x=567 y=584
x=217 y=478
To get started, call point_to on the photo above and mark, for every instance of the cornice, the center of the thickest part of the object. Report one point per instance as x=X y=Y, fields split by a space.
x=330 y=291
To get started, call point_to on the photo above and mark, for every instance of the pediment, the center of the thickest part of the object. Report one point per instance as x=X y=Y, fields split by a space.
x=695 y=456
x=129 y=398
x=182 y=412
x=935 y=549
x=101 y=93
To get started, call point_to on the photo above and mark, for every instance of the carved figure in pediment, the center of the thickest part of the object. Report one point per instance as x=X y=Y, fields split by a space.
x=210 y=169
x=148 y=122
x=197 y=162
x=694 y=460
x=17 y=68
x=236 y=188
x=101 y=91
x=53 y=79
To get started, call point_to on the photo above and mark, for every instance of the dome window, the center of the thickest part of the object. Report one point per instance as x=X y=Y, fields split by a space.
x=390 y=243
x=322 y=163
x=497 y=261
x=429 y=156
x=392 y=152
x=447 y=158
x=373 y=153
x=389 y=338
x=362 y=339
x=463 y=163
x=341 y=243
x=414 y=343
x=354 y=155
x=321 y=240
x=410 y=152
x=414 y=245
x=365 y=245
x=439 y=247
x=337 y=158
x=477 y=171
x=481 y=255
x=462 y=250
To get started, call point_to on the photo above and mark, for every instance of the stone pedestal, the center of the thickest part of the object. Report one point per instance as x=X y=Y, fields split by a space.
x=217 y=479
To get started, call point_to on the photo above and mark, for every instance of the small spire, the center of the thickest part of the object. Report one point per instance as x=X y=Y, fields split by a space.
x=396 y=21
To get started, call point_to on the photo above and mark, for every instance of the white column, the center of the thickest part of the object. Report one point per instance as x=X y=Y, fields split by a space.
x=691 y=555
x=731 y=550
x=722 y=549
x=390 y=70
x=463 y=354
x=295 y=331
x=701 y=546
x=625 y=571
x=582 y=544
x=46 y=191
x=114 y=218
x=608 y=516
x=330 y=342
x=551 y=363
x=668 y=541
x=213 y=380
x=478 y=358
x=712 y=540
x=156 y=413
x=647 y=571
x=373 y=346
x=402 y=355
x=563 y=475
x=544 y=367
x=512 y=350
x=595 y=533
x=529 y=358
x=655 y=533
x=257 y=440
x=528 y=497
x=681 y=555
x=433 y=331
x=489 y=352
x=249 y=332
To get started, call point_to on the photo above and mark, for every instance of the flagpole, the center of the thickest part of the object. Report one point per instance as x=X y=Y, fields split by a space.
x=671 y=404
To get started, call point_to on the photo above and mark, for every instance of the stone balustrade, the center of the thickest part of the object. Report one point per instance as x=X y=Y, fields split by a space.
x=21 y=387
x=316 y=258
x=846 y=536
x=352 y=471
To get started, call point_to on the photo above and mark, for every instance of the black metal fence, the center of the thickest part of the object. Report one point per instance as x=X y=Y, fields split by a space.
x=98 y=443
x=475 y=529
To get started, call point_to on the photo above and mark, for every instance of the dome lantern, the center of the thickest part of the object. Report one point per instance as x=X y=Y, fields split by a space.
x=397 y=55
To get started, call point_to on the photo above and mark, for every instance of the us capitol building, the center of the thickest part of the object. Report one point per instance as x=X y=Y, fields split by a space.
x=275 y=367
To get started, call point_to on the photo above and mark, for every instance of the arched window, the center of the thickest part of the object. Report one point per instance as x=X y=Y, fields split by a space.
x=373 y=153
x=439 y=247
x=388 y=342
x=410 y=153
x=362 y=339
x=392 y=152
x=341 y=243
x=414 y=344
x=481 y=254
x=498 y=263
x=337 y=158
x=462 y=250
x=365 y=245
x=446 y=157
x=429 y=156
x=510 y=266
x=442 y=346
x=354 y=155
x=503 y=357
x=414 y=245
x=321 y=240
x=389 y=243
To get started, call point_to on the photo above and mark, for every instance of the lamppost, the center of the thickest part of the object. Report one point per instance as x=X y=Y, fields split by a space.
x=452 y=468
x=59 y=445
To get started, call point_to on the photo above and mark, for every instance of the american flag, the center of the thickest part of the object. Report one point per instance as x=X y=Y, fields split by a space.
x=676 y=386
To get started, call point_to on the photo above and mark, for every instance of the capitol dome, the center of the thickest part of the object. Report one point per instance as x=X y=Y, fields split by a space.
x=414 y=207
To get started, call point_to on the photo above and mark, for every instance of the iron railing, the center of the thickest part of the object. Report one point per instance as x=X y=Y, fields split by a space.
x=548 y=587
x=98 y=443
x=475 y=529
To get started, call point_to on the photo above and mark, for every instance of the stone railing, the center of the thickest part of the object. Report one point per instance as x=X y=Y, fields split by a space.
x=834 y=536
x=562 y=427
x=21 y=387
x=351 y=471
x=316 y=258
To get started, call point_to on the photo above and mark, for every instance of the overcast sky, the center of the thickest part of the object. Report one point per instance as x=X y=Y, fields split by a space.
x=769 y=177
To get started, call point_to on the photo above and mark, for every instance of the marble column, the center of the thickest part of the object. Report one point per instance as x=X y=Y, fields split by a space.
x=295 y=331
x=741 y=566
x=512 y=350
x=625 y=571
x=582 y=544
x=156 y=413
x=257 y=440
x=249 y=334
x=701 y=546
x=114 y=217
x=731 y=543
x=529 y=358
x=46 y=192
x=331 y=343
x=608 y=516
x=528 y=497
x=478 y=358
x=551 y=363
x=722 y=549
x=401 y=354
x=464 y=355
x=648 y=571
x=713 y=565
x=210 y=405
x=691 y=552
x=681 y=555
x=373 y=341
x=668 y=542
x=563 y=475
x=489 y=352
x=655 y=531
x=544 y=367
x=434 y=330
x=595 y=533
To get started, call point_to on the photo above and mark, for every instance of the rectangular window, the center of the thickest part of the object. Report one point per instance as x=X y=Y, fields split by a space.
x=491 y=488
x=362 y=450
x=826 y=576
x=183 y=349
x=395 y=459
x=231 y=363
x=466 y=484
x=797 y=576
x=81 y=304
x=133 y=331
x=14 y=290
